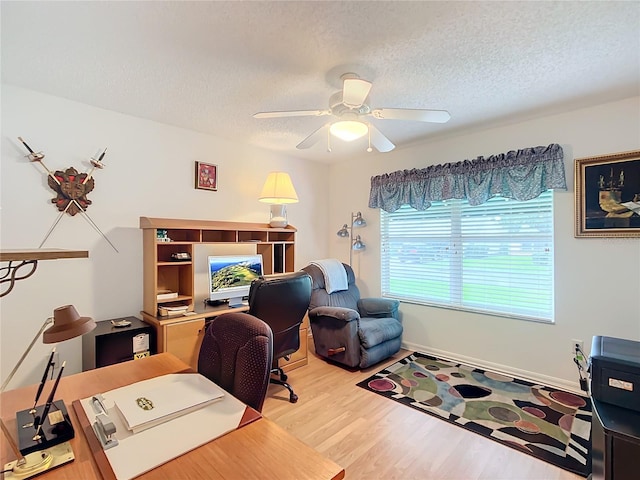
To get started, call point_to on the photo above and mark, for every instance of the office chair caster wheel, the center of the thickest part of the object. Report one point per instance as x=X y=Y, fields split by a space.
x=293 y=398
x=283 y=377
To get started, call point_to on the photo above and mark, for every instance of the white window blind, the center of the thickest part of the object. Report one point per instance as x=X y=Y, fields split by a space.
x=493 y=258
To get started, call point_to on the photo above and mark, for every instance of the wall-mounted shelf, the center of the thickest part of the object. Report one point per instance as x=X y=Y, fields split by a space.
x=8 y=255
x=28 y=259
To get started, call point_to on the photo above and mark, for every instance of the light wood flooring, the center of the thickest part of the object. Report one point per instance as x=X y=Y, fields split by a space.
x=373 y=437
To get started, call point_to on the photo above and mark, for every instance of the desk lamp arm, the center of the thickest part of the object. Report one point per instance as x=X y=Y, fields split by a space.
x=46 y=323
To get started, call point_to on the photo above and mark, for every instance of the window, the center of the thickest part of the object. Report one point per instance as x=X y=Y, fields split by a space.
x=492 y=258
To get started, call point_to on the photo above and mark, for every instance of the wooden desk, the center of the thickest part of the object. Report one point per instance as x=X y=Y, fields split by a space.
x=182 y=335
x=261 y=449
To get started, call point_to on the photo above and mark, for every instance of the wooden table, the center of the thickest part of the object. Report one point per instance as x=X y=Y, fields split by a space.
x=259 y=450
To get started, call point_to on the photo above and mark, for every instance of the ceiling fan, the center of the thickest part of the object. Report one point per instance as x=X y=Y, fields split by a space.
x=349 y=106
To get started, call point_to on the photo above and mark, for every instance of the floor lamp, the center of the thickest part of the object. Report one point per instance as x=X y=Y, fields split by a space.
x=67 y=324
x=347 y=231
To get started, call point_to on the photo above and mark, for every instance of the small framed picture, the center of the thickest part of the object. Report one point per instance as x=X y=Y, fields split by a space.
x=607 y=190
x=206 y=176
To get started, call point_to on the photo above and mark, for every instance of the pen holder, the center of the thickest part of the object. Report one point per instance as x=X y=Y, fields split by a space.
x=56 y=428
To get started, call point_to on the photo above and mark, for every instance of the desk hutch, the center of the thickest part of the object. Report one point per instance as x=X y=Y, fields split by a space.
x=182 y=334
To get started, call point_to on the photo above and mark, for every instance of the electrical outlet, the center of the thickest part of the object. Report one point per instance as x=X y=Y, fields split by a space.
x=575 y=342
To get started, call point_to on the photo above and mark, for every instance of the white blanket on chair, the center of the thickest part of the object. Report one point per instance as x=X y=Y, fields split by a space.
x=335 y=276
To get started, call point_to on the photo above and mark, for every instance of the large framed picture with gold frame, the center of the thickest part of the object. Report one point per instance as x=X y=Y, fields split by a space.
x=607 y=195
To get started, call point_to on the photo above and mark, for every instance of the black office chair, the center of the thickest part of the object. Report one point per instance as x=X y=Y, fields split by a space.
x=282 y=302
x=237 y=354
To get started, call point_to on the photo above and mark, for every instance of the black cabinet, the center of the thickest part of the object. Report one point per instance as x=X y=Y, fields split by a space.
x=108 y=344
x=615 y=436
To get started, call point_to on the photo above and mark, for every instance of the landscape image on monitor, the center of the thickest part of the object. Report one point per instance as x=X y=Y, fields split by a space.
x=233 y=274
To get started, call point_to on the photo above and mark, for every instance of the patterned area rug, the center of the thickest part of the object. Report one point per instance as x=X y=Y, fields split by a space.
x=550 y=424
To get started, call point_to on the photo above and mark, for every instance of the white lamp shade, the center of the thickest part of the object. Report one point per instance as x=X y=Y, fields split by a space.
x=278 y=189
x=348 y=130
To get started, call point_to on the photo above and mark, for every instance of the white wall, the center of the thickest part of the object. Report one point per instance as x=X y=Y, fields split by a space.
x=597 y=281
x=149 y=172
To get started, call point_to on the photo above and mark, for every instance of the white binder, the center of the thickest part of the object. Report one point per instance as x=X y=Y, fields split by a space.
x=137 y=453
x=146 y=406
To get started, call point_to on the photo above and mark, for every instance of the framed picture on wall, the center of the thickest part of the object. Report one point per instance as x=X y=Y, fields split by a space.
x=607 y=195
x=206 y=176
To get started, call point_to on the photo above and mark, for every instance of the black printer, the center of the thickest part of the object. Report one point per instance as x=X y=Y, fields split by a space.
x=615 y=372
x=615 y=397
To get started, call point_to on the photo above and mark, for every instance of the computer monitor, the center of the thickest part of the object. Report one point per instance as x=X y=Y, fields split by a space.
x=230 y=277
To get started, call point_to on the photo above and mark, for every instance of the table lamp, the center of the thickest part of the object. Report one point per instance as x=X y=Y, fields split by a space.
x=278 y=191
x=44 y=448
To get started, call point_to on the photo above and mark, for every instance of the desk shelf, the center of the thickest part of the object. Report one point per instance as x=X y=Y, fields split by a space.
x=182 y=335
x=276 y=245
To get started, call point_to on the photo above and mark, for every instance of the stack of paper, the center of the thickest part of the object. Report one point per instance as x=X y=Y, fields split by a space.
x=166 y=295
x=165 y=310
x=155 y=405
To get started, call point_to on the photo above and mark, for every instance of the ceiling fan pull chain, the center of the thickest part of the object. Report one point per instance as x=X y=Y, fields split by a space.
x=369 y=149
x=328 y=140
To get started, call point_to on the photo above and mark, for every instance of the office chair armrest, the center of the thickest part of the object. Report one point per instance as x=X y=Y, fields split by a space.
x=340 y=313
x=378 y=307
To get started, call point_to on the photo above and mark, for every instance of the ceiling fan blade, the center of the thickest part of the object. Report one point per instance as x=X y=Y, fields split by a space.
x=433 y=116
x=355 y=92
x=292 y=113
x=378 y=140
x=312 y=139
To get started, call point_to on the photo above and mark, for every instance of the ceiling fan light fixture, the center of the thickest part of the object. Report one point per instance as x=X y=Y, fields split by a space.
x=349 y=107
x=348 y=130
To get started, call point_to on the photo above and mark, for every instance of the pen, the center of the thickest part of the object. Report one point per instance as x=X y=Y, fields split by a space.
x=47 y=407
x=43 y=381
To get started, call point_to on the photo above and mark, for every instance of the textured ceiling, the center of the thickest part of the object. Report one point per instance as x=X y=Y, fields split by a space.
x=208 y=66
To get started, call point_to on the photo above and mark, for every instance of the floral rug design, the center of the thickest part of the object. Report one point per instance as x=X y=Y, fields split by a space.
x=542 y=421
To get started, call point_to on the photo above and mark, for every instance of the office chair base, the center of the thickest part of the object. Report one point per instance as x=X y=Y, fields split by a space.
x=293 y=398
x=280 y=372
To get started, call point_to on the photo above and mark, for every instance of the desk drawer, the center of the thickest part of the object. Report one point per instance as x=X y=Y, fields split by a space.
x=184 y=340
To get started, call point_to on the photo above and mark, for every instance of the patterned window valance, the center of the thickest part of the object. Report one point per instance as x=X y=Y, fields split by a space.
x=521 y=175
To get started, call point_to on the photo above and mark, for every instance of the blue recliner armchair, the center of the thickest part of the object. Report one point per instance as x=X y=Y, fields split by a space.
x=354 y=331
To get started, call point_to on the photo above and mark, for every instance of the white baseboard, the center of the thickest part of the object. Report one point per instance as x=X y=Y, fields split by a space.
x=533 y=377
